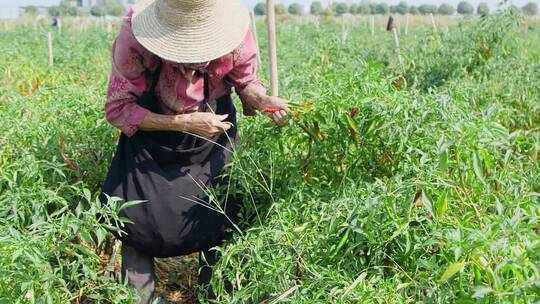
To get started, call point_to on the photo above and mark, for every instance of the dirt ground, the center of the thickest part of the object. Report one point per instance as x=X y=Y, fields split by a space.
x=177 y=279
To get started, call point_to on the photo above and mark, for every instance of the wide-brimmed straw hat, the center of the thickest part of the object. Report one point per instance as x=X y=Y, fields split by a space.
x=190 y=31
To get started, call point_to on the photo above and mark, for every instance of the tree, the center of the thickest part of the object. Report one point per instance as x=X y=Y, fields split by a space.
x=392 y=9
x=295 y=9
x=260 y=9
x=115 y=8
x=372 y=8
x=530 y=9
x=482 y=9
x=64 y=9
x=465 y=8
x=413 y=10
x=364 y=9
x=342 y=8
x=402 y=8
x=426 y=9
x=316 y=8
x=280 y=9
x=330 y=9
x=353 y=9
x=31 y=10
x=446 y=9
x=98 y=11
x=381 y=8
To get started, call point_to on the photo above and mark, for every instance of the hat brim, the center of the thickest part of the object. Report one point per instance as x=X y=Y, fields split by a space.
x=191 y=42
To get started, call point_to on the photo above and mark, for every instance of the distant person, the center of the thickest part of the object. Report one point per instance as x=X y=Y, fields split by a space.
x=174 y=64
x=56 y=23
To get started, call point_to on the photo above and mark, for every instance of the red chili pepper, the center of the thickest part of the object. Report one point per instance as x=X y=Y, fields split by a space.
x=271 y=110
x=354 y=111
x=70 y=164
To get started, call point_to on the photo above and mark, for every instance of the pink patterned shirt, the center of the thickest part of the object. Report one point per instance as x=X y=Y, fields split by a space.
x=178 y=90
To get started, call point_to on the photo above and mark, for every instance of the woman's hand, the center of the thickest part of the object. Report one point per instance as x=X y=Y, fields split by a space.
x=275 y=108
x=205 y=124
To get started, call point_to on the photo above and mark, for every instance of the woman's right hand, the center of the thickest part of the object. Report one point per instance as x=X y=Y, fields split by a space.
x=206 y=124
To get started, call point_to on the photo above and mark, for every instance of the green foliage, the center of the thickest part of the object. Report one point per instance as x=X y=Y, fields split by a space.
x=413 y=10
x=402 y=8
x=465 y=8
x=31 y=10
x=419 y=197
x=53 y=231
x=64 y=9
x=316 y=8
x=482 y=9
x=390 y=184
x=382 y=8
x=295 y=9
x=353 y=9
x=280 y=9
x=115 y=8
x=98 y=11
x=260 y=9
x=530 y=8
x=342 y=8
x=426 y=9
x=446 y=9
x=364 y=9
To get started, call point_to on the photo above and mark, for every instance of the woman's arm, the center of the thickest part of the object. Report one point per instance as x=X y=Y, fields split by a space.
x=260 y=101
x=204 y=124
x=251 y=91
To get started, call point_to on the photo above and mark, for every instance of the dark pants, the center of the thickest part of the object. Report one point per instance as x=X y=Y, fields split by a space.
x=140 y=271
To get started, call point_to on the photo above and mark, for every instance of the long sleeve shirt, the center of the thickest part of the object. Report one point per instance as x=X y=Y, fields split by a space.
x=179 y=89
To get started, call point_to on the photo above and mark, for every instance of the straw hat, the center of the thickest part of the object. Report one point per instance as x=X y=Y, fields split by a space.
x=190 y=31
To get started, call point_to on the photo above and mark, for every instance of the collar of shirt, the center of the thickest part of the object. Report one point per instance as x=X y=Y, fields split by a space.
x=188 y=68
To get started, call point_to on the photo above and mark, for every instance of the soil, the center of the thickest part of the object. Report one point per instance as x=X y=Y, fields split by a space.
x=177 y=279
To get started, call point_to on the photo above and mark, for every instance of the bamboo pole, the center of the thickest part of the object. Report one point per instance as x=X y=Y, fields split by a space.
x=50 y=48
x=407 y=25
x=433 y=22
x=272 y=51
x=255 y=36
x=343 y=30
x=396 y=45
x=373 y=26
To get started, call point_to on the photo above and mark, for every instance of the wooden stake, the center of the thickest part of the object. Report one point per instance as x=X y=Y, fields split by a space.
x=343 y=30
x=272 y=51
x=433 y=22
x=50 y=48
x=59 y=25
x=373 y=26
x=407 y=25
x=109 y=27
x=255 y=36
x=396 y=45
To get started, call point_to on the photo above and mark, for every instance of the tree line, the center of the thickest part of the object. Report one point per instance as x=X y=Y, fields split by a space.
x=402 y=8
x=73 y=8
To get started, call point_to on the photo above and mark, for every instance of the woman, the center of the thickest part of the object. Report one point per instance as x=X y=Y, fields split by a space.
x=174 y=64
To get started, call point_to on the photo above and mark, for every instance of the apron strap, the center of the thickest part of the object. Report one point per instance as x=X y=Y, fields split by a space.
x=155 y=77
x=206 y=85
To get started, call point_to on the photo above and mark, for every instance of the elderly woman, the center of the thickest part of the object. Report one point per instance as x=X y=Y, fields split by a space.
x=174 y=64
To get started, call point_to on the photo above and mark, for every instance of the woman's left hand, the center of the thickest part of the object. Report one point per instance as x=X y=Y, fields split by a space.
x=275 y=108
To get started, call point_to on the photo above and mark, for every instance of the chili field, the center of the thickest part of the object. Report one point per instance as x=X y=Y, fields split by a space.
x=391 y=183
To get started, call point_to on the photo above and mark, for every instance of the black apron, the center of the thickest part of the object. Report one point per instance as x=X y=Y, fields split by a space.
x=170 y=170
